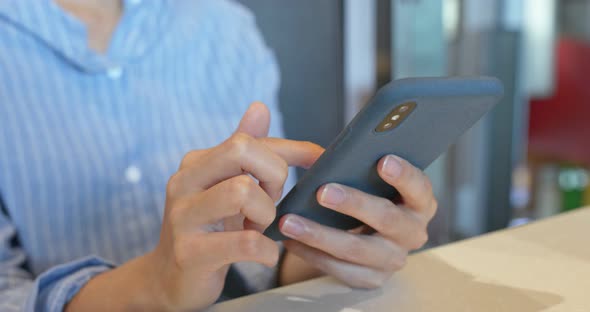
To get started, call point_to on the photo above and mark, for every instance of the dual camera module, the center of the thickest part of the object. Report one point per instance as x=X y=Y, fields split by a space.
x=396 y=116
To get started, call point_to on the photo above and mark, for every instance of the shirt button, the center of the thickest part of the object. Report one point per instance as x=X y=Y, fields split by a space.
x=115 y=72
x=133 y=174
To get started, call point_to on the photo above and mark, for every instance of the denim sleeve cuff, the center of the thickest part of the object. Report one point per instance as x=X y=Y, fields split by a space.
x=58 y=285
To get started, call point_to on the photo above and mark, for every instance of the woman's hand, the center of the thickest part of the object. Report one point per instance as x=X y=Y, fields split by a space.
x=216 y=212
x=361 y=258
x=215 y=215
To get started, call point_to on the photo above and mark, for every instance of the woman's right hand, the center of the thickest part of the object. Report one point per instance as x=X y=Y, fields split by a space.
x=215 y=215
x=216 y=212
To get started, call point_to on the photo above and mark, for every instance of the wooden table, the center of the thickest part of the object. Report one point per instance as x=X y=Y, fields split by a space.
x=542 y=266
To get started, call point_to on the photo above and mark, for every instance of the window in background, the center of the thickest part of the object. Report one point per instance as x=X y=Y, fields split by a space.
x=559 y=156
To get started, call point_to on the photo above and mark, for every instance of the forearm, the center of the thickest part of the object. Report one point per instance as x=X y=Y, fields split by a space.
x=293 y=270
x=125 y=288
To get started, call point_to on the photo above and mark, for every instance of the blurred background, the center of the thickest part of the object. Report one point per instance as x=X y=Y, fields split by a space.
x=527 y=160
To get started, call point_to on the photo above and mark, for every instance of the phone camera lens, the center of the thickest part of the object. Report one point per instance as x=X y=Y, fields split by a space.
x=387 y=125
x=395 y=117
x=403 y=108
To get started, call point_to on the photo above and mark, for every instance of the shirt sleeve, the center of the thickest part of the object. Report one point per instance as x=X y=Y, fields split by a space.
x=15 y=283
x=50 y=291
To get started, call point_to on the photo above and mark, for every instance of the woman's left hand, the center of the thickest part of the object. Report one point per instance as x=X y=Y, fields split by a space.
x=358 y=258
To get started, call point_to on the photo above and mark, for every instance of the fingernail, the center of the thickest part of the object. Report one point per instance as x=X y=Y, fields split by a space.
x=332 y=195
x=293 y=227
x=392 y=166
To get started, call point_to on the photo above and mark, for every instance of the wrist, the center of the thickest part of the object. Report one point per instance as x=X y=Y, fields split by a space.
x=149 y=295
x=129 y=287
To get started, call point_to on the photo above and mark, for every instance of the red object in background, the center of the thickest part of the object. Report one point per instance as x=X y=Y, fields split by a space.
x=560 y=125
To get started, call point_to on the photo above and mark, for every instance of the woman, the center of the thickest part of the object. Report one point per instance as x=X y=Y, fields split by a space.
x=101 y=101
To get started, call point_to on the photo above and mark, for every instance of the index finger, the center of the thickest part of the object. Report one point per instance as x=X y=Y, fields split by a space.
x=296 y=153
x=238 y=155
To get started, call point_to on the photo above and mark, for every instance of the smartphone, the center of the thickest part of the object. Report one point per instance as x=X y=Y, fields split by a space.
x=416 y=119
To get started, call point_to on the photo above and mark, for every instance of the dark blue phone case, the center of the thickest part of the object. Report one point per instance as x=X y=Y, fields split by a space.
x=445 y=109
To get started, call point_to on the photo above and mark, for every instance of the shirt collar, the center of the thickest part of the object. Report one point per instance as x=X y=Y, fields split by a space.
x=141 y=26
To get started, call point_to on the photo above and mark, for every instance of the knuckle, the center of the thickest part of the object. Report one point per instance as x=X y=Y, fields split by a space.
x=354 y=251
x=420 y=240
x=386 y=203
x=283 y=173
x=249 y=243
x=240 y=189
x=244 y=185
x=279 y=176
x=238 y=144
x=176 y=215
x=188 y=158
x=389 y=218
x=174 y=184
x=270 y=216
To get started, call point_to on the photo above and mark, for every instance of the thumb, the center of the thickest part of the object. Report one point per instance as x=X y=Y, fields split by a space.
x=256 y=121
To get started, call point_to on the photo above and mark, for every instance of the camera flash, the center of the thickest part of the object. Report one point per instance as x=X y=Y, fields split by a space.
x=395 y=117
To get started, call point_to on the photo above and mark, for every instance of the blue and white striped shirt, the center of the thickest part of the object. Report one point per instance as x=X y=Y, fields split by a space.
x=89 y=141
